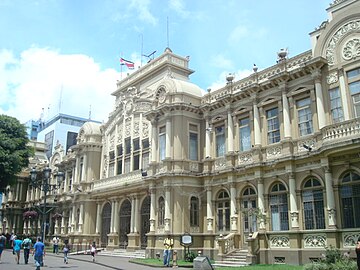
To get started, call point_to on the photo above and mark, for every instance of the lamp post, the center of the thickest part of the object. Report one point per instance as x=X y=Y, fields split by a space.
x=43 y=183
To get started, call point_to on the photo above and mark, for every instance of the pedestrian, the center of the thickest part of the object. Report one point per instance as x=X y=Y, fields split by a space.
x=357 y=250
x=11 y=240
x=39 y=253
x=55 y=241
x=93 y=251
x=16 y=248
x=2 y=244
x=66 y=250
x=26 y=243
x=168 y=245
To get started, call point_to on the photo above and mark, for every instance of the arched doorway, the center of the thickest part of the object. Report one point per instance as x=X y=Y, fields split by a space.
x=125 y=219
x=105 y=224
x=145 y=221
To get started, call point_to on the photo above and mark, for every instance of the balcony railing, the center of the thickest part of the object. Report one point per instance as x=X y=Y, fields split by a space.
x=341 y=130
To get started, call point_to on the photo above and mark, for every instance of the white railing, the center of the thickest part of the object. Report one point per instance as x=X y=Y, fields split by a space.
x=118 y=180
x=341 y=130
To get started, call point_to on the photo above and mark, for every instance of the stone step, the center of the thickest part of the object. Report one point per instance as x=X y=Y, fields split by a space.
x=123 y=253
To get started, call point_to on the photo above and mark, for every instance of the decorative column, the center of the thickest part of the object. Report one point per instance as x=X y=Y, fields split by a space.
x=62 y=229
x=330 y=198
x=112 y=220
x=233 y=207
x=209 y=213
x=168 y=137
x=98 y=219
x=207 y=139
x=167 y=208
x=84 y=168
x=153 y=140
x=116 y=216
x=136 y=215
x=152 y=207
x=286 y=111
x=81 y=218
x=316 y=74
x=344 y=97
x=261 y=204
x=257 y=133
x=293 y=205
x=230 y=131
x=73 y=219
x=132 y=222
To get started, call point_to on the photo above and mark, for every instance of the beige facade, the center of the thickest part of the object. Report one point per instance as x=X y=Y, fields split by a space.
x=269 y=163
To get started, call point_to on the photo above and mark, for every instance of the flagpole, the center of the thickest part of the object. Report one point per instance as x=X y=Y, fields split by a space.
x=121 y=67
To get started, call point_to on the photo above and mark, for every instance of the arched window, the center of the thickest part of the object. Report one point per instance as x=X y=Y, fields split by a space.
x=313 y=205
x=194 y=212
x=161 y=211
x=350 y=200
x=223 y=211
x=249 y=208
x=279 y=208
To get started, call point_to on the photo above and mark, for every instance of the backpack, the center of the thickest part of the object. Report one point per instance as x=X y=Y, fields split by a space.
x=26 y=243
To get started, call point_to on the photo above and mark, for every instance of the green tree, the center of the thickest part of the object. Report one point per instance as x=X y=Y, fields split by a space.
x=14 y=150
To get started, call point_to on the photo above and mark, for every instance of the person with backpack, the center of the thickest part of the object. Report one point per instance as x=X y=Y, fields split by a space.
x=26 y=243
x=16 y=248
x=2 y=244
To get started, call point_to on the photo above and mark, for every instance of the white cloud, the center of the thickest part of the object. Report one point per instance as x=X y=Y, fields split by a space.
x=143 y=9
x=179 y=7
x=39 y=77
x=238 y=33
x=221 y=62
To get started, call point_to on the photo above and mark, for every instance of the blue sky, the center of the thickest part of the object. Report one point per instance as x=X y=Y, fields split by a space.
x=63 y=55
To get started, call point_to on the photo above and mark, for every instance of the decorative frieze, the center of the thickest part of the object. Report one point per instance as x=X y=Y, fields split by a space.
x=315 y=241
x=280 y=241
x=332 y=77
x=220 y=163
x=128 y=129
x=116 y=181
x=272 y=152
x=350 y=239
x=136 y=129
x=351 y=49
x=246 y=158
x=145 y=129
x=112 y=142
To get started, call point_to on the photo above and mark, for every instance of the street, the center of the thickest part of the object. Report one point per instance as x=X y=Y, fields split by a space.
x=77 y=262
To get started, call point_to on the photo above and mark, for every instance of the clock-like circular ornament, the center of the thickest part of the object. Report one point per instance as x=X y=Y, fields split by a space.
x=162 y=96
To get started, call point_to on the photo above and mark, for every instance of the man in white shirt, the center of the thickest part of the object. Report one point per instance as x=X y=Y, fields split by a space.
x=56 y=244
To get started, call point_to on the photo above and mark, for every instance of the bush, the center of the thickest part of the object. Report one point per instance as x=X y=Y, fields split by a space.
x=190 y=257
x=332 y=255
x=316 y=266
x=345 y=264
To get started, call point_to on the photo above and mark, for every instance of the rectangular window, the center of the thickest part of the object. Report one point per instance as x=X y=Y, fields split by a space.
x=127 y=165
x=111 y=155
x=136 y=164
x=354 y=87
x=70 y=139
x=111 y=169
x=162 y=143
x=220 y=141
x=145 y=143
x=136 y=144
x=304 y=116
x=119 y=167
x=119 y=150
x=49 y=137
x=273 y=128
x=245 y=134
x=193 y=143
x=127 y=146
x=335 y=105
x=353 y=73
x=145 y=160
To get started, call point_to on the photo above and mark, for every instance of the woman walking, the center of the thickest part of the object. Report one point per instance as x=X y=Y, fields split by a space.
x=93 y=251
x=66 y=250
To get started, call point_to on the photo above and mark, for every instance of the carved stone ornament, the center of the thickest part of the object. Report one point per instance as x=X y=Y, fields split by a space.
x=315 y=241
x=162 y=95
x=145 y=129
x=350 y=239
x=246 y=158
x=136 y=129
x=119 y=135
x=280 y=242
x=352 y=26
x=220 y=163
x=332 y=77
x=112 y=142
x=351 y=49
x=127 y=129
x=273 y=151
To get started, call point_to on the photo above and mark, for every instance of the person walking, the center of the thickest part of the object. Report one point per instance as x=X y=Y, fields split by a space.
x=56 y=241
x=39 y=253
x=26 y=243
x=16 y=248
x=2 y=244
x=66 y=250
x=168 y=245
x=357 y=250
x=93 y=251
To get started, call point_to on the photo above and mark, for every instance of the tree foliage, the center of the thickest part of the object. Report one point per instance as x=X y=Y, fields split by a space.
x=14 y=150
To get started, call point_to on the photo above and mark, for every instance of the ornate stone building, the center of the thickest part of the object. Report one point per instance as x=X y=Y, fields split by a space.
x=269 y=163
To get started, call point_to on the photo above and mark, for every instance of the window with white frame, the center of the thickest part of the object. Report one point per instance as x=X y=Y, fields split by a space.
x=353 y=77
x=162 y=143
x=161 y=211
x=223 y=211
x=335 y=105
x=313 y=205
x=145 y=153
x=193 y=142
x=305 y=123
x=350 y=200
x=249 y=199
x=273 y=127
x=244 y=134
x=194 y=212
x=279 y=208
x=220 y=140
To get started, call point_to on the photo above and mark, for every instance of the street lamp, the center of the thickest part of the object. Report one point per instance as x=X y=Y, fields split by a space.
x=43 y=184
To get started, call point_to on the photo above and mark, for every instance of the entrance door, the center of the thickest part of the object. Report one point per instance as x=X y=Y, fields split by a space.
x=125 y=219
x=145 y=221
x=105 y=224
